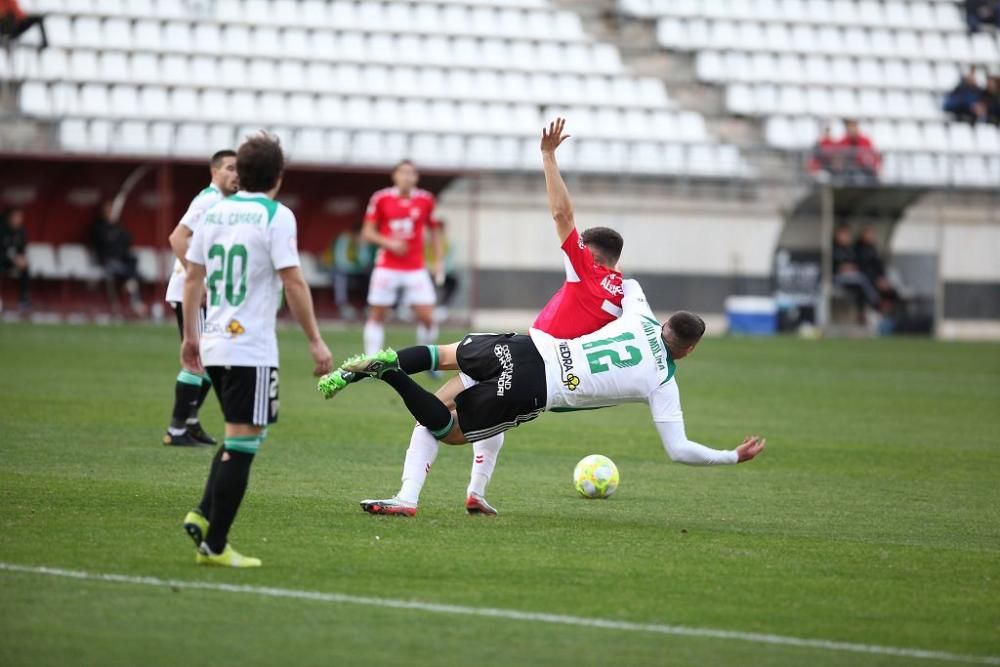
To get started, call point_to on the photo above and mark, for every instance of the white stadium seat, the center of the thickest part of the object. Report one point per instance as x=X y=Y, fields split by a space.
x=76 y=262
x=42 y=261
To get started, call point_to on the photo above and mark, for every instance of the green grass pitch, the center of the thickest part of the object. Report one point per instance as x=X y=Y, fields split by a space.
x=872 y=517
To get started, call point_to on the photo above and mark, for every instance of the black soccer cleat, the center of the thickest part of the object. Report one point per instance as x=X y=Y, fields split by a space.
x=184 y=440
x=198 y=433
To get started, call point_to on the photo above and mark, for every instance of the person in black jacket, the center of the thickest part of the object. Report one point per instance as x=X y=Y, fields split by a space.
x=13 y=253
x=113 y=248
x=871 y=264
x=847 y=271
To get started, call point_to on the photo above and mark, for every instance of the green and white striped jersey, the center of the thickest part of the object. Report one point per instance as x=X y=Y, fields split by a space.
x=203 y=201
x=625 y=361
x=243 y=241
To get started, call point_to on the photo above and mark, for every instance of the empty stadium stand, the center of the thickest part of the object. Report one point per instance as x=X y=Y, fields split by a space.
x=797 y=65
x=453 y=84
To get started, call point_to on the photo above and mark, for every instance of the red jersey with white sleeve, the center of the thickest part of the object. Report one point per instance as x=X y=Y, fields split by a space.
x=590 y=298
x=403 y=218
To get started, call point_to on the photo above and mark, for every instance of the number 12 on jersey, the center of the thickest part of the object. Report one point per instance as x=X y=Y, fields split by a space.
x=228 y=273
x=602 y=351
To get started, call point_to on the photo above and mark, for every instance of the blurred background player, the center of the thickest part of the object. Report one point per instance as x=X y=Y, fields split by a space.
x=13 y=255
x=590 y=298
x=395 y=222
x=190 y=390
x=113 y=249
x=247 y=265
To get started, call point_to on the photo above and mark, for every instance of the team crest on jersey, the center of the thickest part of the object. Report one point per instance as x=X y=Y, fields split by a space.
x=569 y=379
x=415 y=212
x=234 y=328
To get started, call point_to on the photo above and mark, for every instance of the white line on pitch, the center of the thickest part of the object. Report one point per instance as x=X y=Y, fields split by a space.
x=510 y=614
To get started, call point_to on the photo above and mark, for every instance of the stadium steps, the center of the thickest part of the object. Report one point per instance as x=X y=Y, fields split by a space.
x=642 y=55
x=18 y=133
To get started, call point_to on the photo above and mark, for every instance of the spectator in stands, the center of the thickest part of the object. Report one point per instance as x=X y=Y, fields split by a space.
x=966 y=100
x=991 y=99
x=870 y=263
x=14 y=22
x=13 y=254
x=861 y=162
x=847 y=272
x=113 y=247
x=979 y=13
x=824 y=154
x=353 y=259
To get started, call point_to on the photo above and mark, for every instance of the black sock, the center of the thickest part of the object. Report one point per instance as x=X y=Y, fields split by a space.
x=185 y=399
x=205 y=506
x=422 y=404
x=416 y=359
x=206 y=386
x=230 y=485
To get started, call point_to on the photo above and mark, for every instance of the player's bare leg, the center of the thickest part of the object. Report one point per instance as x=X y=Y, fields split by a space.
x=420 y=456
x=374 y=332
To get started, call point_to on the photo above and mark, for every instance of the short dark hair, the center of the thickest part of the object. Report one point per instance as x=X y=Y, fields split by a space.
x=606 y=242
x=404 y=161
x=260 y=162
x=687 y=328
x=219 y=156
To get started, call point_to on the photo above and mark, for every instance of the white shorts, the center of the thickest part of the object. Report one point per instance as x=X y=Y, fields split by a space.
x=418 y=289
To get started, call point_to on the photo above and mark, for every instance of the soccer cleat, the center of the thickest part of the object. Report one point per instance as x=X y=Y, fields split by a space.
x=393 y=506
x=182 y=440
x=372 y=365
x=332 y=383
x=228 y=558
x=198 y=433
x=196 y=526
x=476 y=504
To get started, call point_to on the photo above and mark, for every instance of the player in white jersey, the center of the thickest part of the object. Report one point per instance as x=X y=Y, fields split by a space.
x=190 y=390
x=244 y=251
x=509 y=379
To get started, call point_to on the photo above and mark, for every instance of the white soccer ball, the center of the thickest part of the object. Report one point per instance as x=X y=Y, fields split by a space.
x=595 y=476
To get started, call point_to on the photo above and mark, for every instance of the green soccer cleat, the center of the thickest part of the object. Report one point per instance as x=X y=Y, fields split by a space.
x=332 y=383
x=228 y=558
x=196 y=526
x=372 y=365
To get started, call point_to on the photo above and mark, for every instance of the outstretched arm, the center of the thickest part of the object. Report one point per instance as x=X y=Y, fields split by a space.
x=299 y=299
x=682 y=450
x=559 y=201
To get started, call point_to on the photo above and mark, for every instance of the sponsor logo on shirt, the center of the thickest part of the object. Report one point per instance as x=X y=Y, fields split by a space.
x=569 y=379
x=234 y=328
x=506 y=366
x=608 y=283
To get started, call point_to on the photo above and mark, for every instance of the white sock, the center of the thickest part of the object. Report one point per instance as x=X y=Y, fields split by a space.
x=420 y=456
x=484 y=460
x=374 y=336
x=426 y=335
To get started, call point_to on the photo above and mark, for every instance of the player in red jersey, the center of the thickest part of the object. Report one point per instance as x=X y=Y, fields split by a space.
x=395 y=222
x=590 y=298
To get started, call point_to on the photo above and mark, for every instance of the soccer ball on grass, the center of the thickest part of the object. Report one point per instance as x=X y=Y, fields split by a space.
x=595 y=476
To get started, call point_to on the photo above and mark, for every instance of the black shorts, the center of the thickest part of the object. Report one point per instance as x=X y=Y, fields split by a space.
x=247 y=394
x=511 y=386
x=179 y=313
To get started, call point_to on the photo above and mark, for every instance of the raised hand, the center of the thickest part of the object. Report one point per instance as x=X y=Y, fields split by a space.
x=553 y=136
x=751 y=446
